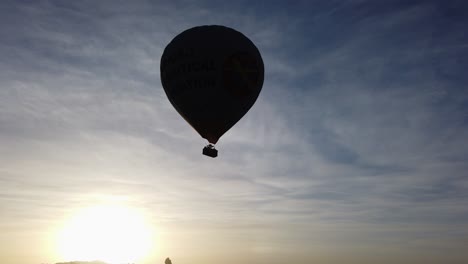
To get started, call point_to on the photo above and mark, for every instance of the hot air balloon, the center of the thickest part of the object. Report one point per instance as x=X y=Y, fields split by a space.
x=212 y=75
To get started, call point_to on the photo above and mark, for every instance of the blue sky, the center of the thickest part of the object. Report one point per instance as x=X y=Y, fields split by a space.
x=355 y=150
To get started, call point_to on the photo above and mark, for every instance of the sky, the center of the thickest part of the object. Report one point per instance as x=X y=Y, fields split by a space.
x=355 y=151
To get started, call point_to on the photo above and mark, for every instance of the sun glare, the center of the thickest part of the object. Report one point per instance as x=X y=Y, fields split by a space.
x=114 y=234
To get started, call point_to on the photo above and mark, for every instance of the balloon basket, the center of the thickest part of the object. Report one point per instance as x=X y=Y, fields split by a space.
x=210 y=151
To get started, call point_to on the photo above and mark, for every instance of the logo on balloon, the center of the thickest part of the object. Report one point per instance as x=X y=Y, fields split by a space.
x=241 y=74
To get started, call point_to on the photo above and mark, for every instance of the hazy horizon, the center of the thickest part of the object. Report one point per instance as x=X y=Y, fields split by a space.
x=355 y=151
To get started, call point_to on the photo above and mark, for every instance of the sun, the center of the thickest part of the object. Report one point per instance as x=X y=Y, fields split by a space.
x=111 y=233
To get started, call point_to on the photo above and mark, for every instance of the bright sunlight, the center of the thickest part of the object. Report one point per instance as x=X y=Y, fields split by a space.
x=114 y=234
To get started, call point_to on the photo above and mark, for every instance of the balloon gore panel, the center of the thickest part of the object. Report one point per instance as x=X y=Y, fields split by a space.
x=212 y=75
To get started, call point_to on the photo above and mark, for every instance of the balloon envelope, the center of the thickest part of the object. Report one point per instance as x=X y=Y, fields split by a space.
x=212 y=75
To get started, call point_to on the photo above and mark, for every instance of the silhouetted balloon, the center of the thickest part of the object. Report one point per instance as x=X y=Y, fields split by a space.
x=212 y=76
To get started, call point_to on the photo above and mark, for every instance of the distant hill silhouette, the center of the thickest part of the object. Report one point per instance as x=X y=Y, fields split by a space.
x=167 y=261
x=82 y=262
